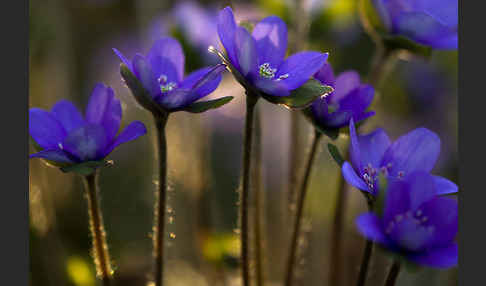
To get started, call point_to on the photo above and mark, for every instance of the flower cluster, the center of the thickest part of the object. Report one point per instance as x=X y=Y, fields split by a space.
x=411 y=216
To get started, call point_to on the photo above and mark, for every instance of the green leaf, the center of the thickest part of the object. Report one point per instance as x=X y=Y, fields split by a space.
x=393 y=43
x=84 y=168
x=336 y=155
x=201 y=106
x=302 y=96
x=139 y=92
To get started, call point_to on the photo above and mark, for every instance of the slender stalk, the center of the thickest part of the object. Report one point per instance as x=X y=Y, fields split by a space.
x=300 y=28
x=257 y=186
x=381 y=65
x=335 y=262
x=365 y=262
x=300 y=208
x=251 y=101
x=98 y=235
x=391 y=279
x=160 y=202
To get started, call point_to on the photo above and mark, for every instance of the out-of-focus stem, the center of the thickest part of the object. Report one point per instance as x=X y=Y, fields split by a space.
x=100 y=247
x=160 y=202
x=300 y=208
x=251 y=101
x=391 y=279
x=365 y=262
x=337 y=229
x=257 y=216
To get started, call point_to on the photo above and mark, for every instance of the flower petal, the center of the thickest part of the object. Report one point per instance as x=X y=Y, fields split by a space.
x=414 y=151
x=226 y=32
x=421 y=187
x=270 y=35
x=372 y=147
x=300 y=67
x=352 y=178
x=426 y=30
x=397 y=201
x=444 y=186
x=87 y=143
x=272 y=87
x=56 y=155
x=45 y=129
x=246 y=52
x=68 y=115
x=143 y=71
x=355 y=149
x=369 y=225
x=345 y=83
x=440 y=214
x=444 y=11
x=444 y=257
x=124 y=59
x=196 y=86
x=129 y=133
x=104 y=109
x=326 y=75
x=167 y=58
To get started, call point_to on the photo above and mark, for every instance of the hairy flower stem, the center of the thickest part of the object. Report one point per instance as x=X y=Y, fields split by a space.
x=300 y=208
x=100 y=247
x=160 y=202
x=337 y=229
x=251 y=101
x=393 y=274
x=257 y=216
x=368 y=251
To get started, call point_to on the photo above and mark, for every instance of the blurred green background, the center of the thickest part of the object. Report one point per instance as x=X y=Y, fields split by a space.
x=71 y=45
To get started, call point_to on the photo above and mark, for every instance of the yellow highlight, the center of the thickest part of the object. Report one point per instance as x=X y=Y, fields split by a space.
x=342 y=9
x=79 y=272
x=218 y=245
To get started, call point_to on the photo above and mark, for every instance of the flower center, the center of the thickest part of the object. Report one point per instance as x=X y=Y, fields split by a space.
x=164 y=85
x=418 y=218
x=369 y=176
x=267 y=71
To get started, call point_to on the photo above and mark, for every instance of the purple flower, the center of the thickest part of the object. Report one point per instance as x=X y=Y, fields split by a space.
x=415 y=223
x=431 y=23
x=161 y=74
x=259 y=57
x=373 y=153
x=67 y=138
x=350 y=99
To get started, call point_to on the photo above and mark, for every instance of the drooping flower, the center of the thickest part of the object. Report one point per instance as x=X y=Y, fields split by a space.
x=161 y=74
x=373 y=153
x=415 y=223
x=431 y=23
x=257 y=60
x=350 y=99
x=68 y=138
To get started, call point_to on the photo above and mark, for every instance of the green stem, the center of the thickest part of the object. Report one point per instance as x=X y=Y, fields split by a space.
x=251 y=101
x=160 y=202
x=365 y=262
x=257 y=216
x=100 y=247
x=381 y=66
x=300 y=208
x=391 y=279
